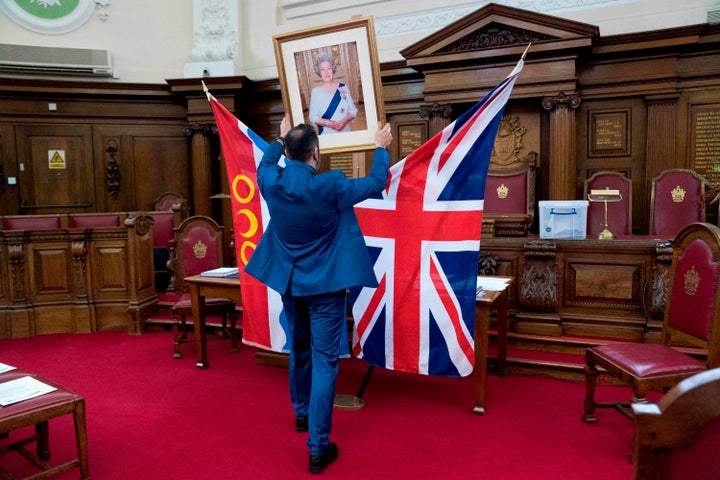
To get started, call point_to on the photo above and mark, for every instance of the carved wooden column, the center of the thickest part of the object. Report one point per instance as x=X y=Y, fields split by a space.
x=438 y=117
x=539 y=290
x=661 y=134
x=659 y=282
x=201 y=167
x=563 y=158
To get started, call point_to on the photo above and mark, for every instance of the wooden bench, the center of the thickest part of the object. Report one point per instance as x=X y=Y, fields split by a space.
x=38 y=411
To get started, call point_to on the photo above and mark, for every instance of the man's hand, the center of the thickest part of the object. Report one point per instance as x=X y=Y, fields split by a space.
x=383 y=136
x=285 y=126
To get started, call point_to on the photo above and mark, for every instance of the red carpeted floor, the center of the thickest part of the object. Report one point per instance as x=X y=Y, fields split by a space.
x=154 y=417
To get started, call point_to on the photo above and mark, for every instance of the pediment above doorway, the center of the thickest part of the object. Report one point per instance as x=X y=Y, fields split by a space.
x=494 y=32
x=467 y=58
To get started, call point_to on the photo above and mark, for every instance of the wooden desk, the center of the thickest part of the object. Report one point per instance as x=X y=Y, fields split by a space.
x=485 y=304
x=488 y=302
x=201 y=287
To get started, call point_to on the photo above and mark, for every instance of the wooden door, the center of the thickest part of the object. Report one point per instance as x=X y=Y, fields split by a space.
x=55 y=169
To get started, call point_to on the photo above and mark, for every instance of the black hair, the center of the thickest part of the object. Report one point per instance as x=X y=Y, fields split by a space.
x=300 y=142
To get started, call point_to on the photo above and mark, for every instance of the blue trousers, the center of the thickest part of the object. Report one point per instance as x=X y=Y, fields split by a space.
x=316 y=326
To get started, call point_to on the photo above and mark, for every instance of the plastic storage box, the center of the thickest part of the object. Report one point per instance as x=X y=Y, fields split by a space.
x=563 y=218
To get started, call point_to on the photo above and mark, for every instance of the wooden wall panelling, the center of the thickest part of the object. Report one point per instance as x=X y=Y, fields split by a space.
x=5 y=284
x=151 y=159
x=57 y=184
x=160 y=153
x=662 y=136
x=409 y=131
x=612 y=136
x=9 y=194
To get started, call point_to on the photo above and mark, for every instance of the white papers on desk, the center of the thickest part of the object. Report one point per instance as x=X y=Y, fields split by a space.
x=5 y=368
x=23 y=388
x=222 y=272
x=491 y=284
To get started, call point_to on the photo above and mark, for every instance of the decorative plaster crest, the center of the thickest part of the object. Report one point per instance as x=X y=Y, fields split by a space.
x=216 y=33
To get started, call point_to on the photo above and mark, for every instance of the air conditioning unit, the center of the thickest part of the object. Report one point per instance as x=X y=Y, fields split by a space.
x=26 y=59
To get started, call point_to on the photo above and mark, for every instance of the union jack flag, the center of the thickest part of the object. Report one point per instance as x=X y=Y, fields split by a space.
x=423 y=234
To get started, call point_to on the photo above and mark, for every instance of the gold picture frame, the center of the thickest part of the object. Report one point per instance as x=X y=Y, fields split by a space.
x=350 y=48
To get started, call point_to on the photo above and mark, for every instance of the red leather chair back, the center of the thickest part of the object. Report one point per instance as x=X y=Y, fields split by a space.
x=165 y=201
x=675 y=202
x=506 y=194
x=694 y=288
x=199 y=244
x=163 y=225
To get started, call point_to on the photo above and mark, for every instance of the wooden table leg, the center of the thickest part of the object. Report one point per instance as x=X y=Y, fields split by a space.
x=482 y=321
x=502 y=332
x=81 y=439
x=198 y=312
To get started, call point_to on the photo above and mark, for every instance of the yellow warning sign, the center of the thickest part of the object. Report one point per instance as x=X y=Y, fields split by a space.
x=56 y=159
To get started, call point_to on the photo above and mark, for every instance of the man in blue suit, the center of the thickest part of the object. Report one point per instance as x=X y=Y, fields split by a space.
x=311 y=252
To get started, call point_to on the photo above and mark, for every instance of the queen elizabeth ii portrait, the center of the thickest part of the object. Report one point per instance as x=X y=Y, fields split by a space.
x=331 y=105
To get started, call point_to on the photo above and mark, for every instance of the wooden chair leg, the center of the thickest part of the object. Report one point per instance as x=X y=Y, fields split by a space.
x=178 y=334
x=43 y=440
x=591 y=376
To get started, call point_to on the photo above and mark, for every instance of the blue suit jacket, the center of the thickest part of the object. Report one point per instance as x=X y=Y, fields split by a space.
x=313 y=243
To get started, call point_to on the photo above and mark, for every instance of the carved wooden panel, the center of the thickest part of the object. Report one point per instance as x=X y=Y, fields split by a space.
x=596 y=282
x=110 y=276
x=50 y=270
x=539 y=290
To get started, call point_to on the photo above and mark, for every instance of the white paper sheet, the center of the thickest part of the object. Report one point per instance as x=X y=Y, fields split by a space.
x=23 y=388
x=222 y=272
x=491 y=284
x=5 y=368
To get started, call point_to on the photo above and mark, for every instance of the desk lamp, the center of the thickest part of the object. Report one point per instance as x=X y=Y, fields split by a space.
x=605 y=196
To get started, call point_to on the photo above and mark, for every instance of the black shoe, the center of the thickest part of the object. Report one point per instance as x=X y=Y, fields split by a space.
x=320 y=461
x=301 y=423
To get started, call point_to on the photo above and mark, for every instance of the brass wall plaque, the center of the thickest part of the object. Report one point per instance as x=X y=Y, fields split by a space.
x=410 y=138
x=609 y=134
x=705 y=151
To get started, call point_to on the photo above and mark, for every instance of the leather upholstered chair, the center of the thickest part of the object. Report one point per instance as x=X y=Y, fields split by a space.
x=510 y=198
x=198 y=247
x=678 y=437
x=691 y=319
x=676 y=201
x=619 y=214
x=166 y=200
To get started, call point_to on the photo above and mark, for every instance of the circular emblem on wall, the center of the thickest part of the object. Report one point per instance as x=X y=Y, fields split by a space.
x=48 y=16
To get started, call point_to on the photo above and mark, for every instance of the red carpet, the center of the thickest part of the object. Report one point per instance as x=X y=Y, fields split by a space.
x=153 y=417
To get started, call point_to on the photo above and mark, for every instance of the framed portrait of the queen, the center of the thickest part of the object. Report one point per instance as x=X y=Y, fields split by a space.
x=330 y=78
